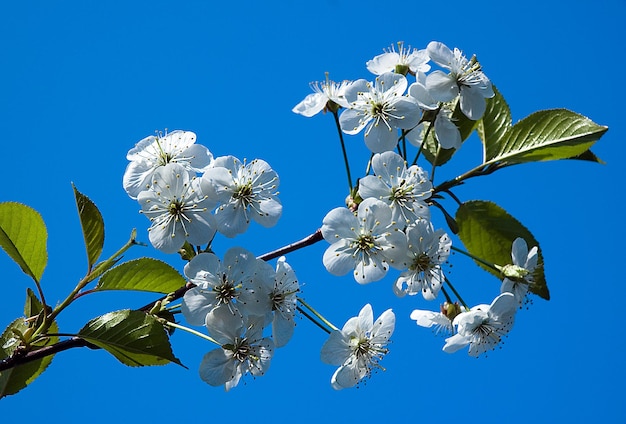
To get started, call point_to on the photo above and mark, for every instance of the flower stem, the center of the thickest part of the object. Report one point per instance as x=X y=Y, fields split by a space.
x=456 y=293
x=477 y=259
x=192 y=331
x=317 y=314
x=343 y=149
x=91 y=275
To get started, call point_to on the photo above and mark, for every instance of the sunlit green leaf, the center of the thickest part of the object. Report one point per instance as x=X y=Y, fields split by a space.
x=93 y=226
x=133 y=337
x=23 y=236
x=143 y=274
x=15 y=379
x=488 y=232
x=495 y=122
x=545 y=135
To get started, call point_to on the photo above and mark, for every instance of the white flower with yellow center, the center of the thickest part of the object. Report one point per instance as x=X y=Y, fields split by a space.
x=155 y=151
x=483 y=326
x=327 y=94
x=177 y=209
x=465 y=79
x=404 y=189
x=380 y=108
x=367 y=242
x=245 y=192
x=427 y=251
x=358 y=347
x=405 y=60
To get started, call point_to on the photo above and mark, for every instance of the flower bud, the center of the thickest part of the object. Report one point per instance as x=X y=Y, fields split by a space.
x=451 y=310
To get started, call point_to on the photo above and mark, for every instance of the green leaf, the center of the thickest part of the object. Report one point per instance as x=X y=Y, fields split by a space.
x=488 y=232
x=545 y=135
x=589 y=156
x=135 y=338
x=23 y=236
x=15 y=379
x=495 y=122
x=92 y=224
x=143 y=274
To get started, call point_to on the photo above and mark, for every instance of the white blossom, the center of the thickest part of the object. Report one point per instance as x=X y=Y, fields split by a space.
x=177 y=209
x=367 y=242
x=234 y=284
x=446 y=132
x=245 y=192
x=281 y=298
x=427 y=251
x=405 y=60
x=404 y=190
x=324 y=92
x=358 y=347
x=380 y=108
x=483 y=326
x=465 y=79
x=155 y=151
x=440 y=321
x=243 y=349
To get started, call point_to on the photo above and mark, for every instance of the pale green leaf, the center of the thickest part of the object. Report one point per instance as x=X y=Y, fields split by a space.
x=23 y=236
x=133 y=337
x=545 y=135
x=143 y=274
x=495 y=122
x=93 y=226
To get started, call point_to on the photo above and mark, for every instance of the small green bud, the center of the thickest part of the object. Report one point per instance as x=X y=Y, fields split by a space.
x=451 y=310
x=514 y=272
x=353 y=200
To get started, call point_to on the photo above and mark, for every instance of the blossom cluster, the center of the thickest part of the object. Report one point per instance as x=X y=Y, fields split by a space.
x=389 y=104
x=189 y=195
x=236 y=300
x=247 y=306
x=387 y=221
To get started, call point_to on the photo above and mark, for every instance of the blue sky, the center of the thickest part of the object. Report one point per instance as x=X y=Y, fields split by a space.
x=81 y=82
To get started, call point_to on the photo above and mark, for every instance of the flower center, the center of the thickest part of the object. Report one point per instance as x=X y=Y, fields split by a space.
x=176 y=208
x=421 y=263
x=225 y=292
x=378 y=109
x=244 y=193
x=277 y=300
x=366 y=242
x=363 y=348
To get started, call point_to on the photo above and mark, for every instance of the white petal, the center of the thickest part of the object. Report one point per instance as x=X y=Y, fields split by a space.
x=217 y=367
x=382 y=63
x=447 y=132
x=352 y=121
x=440 y=54
x=455 y=343
x=380 y=138
x=473 y=103
x=196 y=305
x=311 y=105
x=442 y=87
x=348 y=375
x=336 y=349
